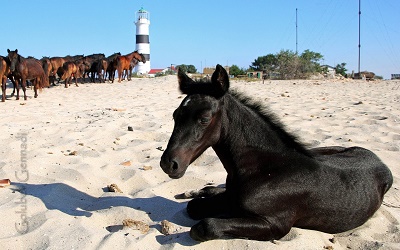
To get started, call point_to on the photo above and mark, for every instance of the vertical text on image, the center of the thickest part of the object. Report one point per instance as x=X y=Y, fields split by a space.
x=22 y=175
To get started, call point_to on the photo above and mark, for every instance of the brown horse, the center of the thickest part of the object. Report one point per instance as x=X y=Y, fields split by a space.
x=106 y=65
x=27 y=69
x=112 y=67
x=124 y=62
x=128 y=73
x=74 y=69
x=91 y=66
x=58 y=62
x=56 y=66
x=4 y=72
x=47 y=67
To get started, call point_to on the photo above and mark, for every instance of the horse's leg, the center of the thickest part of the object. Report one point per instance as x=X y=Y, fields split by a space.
x=51 y=80
x=204 y=192
x=66 y=82
x=23 y=84
x=246 y=227
x=14 y=85
x=35 y=83
x=119 y=74
x=217 y=205
x=3 y=88
x=76 y=81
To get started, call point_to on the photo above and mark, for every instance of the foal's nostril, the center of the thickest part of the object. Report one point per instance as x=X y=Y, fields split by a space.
x=174 y=165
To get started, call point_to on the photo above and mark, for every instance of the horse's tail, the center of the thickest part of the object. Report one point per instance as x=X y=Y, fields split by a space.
x=44 y=81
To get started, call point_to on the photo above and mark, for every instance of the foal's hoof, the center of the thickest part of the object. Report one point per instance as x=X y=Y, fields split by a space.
x=204 y=230
x=197 y=232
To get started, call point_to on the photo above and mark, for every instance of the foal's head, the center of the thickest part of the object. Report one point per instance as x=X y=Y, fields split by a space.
x=197 y=121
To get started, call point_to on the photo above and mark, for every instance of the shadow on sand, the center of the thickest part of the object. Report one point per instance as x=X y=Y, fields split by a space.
x=62 y=197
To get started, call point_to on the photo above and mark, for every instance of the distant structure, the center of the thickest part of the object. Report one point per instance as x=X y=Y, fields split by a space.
x=142 y=18
x=210 y=71
x=395 y=76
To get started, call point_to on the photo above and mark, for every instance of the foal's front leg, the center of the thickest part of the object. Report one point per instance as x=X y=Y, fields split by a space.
x=217 y=205
x=246 y=228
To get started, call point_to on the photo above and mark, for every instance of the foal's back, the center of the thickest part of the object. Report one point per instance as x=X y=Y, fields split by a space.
x=351 y=183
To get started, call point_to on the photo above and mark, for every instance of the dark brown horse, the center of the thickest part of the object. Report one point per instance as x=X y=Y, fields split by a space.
x=4 y=72
x=48 y=69
x=58 y=62
x=24 y=69
x=124 y=62
x=273 y=182
x=105 y=65
x=91 y=67
x=74 y=69
x=112 y=67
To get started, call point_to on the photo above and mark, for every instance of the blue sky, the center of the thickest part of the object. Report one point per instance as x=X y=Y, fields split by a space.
x=207 y=32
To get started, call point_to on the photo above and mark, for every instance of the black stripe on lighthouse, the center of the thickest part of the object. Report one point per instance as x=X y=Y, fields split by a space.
x=147 y=56
x=142 y=39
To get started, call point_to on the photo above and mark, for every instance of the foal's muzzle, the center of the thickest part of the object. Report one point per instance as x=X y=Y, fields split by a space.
x=172 y=168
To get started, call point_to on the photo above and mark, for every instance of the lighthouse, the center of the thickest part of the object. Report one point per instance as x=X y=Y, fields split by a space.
x=142 y=22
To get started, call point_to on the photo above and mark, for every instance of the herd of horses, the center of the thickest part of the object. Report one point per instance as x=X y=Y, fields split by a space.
x=41 y=73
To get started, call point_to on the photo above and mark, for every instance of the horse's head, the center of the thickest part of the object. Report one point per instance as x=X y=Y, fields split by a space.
x=197 y=121
x=139 y=56
x=14 y=58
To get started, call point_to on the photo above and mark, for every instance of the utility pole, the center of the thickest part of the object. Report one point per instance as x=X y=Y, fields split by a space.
x=296 y=30
x=359 y=37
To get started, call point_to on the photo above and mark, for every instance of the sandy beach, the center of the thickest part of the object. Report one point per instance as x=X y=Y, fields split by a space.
x=62 y=149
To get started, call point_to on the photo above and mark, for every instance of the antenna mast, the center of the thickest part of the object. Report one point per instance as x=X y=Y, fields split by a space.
x=359 y=36
x=296 y=30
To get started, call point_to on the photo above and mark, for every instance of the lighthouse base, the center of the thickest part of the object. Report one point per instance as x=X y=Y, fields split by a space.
x=143 y=68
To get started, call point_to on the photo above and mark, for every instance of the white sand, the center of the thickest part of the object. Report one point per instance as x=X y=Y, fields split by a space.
x=64 y=198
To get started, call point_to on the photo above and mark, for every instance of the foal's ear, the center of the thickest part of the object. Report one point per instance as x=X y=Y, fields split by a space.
x=184 y=81
x=220 y=79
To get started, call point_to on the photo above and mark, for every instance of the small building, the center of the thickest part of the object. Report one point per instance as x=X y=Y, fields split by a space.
x=330 y=71
x=255 y=74
x=395 y=76
x=154 y=72
x=210 y=71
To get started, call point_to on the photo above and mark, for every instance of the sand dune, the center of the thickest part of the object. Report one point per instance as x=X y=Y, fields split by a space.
x=61 y=150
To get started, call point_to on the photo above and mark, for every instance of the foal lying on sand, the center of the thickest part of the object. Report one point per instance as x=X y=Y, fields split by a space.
x=273 y=182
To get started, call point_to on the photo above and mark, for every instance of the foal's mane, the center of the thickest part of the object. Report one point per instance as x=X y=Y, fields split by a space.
x=269 y=117
x=207 y=87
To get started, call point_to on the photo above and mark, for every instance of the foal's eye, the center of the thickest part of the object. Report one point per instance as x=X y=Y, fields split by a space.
x=204 y=120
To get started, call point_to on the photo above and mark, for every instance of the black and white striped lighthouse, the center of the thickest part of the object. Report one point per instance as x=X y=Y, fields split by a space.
x=142 y=39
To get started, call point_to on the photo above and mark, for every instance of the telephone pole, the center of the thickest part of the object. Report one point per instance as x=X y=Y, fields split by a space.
x=296 y=31
x=359 y=36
